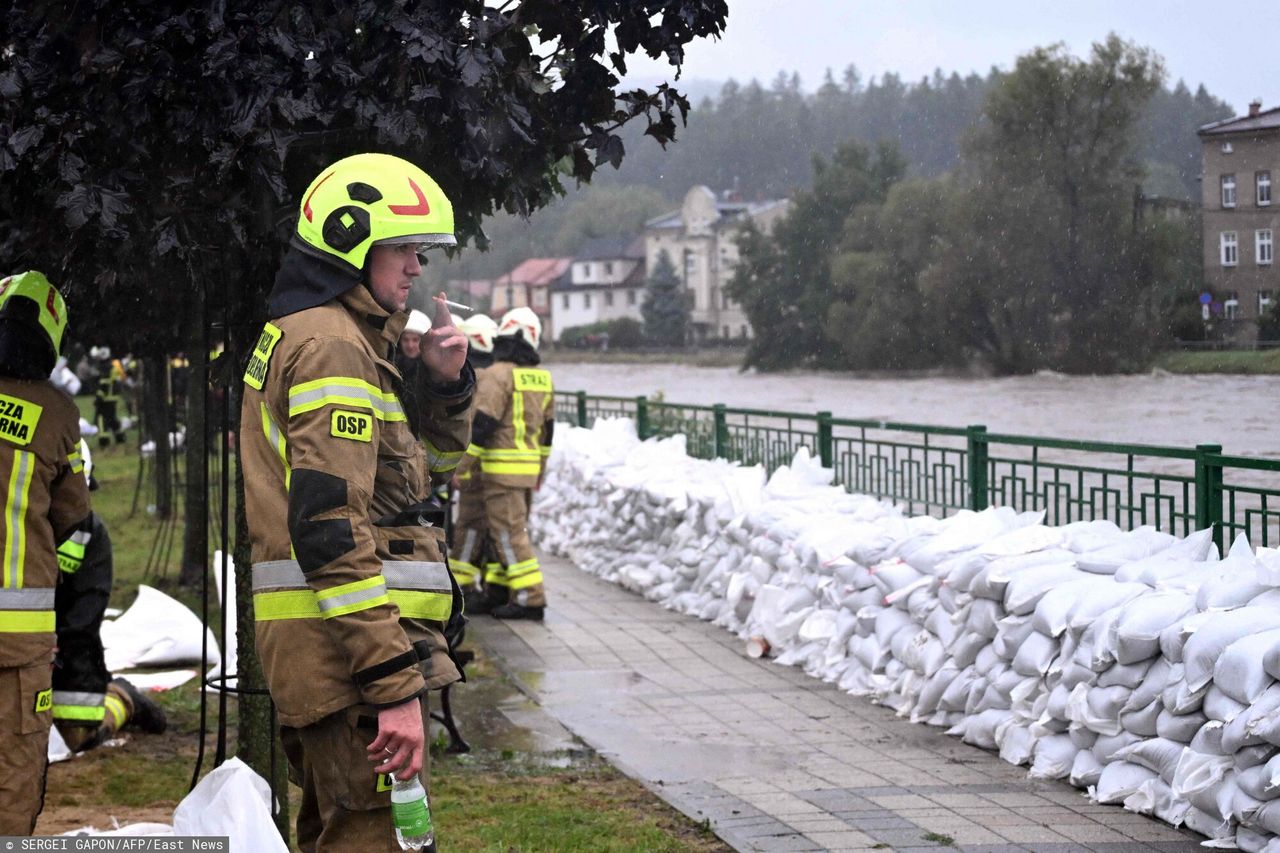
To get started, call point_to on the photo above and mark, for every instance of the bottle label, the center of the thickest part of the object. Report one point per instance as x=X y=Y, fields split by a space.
x=413 y=818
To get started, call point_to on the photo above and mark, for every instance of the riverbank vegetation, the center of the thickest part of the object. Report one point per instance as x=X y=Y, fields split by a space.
x=1039 y=252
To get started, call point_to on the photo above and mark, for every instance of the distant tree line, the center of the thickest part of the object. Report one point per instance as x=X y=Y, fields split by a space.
x=1034 y=252
x=761 y=140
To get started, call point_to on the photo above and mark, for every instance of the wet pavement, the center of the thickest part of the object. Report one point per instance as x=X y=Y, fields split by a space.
x=773 y=759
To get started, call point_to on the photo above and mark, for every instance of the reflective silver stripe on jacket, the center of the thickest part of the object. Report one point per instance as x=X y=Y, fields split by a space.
x=26 y=599
x=75 y=697
x=398 y=574
x=328 y=603
x=383 y=409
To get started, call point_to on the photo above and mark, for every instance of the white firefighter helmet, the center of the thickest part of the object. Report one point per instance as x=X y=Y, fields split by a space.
x=519 y=320
x=480 y=331
x=418 y=322
x=99 y=353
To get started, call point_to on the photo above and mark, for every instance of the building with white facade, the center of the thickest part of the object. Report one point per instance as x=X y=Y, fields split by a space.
x=701 y=239
x=605 y=281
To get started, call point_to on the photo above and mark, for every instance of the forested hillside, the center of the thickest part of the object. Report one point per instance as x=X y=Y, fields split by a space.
x=761 y=139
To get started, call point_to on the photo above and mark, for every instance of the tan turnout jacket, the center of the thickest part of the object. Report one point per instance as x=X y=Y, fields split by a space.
x=350 y=600
x=522 y=401
x=45 y=496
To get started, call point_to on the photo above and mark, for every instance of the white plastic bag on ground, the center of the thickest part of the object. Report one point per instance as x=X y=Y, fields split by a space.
x=156 y=630
x=233 y=801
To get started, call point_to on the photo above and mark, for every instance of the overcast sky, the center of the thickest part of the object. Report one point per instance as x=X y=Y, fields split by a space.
x=1231 y=47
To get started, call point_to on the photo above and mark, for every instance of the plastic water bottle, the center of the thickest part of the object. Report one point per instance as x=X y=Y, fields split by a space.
x=412 y=815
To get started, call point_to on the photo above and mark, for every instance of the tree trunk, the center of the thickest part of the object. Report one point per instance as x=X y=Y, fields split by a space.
x=155 y=392
x=195 y=537
x=257 y=743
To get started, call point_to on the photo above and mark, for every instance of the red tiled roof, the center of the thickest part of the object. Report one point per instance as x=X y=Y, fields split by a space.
x=536 y=272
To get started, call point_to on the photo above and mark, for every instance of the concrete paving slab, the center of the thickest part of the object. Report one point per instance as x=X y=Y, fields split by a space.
x=773 y=759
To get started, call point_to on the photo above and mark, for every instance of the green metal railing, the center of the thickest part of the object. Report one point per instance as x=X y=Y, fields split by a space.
x=939 y=470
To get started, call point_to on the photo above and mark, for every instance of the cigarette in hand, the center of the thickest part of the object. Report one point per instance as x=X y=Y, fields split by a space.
x=459 y=305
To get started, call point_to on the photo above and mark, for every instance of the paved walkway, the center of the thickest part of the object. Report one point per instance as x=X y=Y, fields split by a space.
x=774 y=759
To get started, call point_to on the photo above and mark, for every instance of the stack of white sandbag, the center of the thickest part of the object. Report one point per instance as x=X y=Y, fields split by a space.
x=1132 y=663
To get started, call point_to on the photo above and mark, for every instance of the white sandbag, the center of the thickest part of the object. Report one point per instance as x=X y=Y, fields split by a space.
x=1240 y=672
x=1218 y=632
x=1053 y=758
x=1198 y=772
x=1132 y=545
x=156 y=630
x=1219 y=706
x=1100 y=599
x=991 y=580
x=1160 y=755
x=1258 y=782
x=1025 y=589
x=1144 y=722
x=1135 y=636
x=1035 y=655
x=1052 y=613
x=231 y=801
x=1239 y=732
x=1085 y=770
x=1208 y=824
x=1238 y=582
x=1125 y=675
x=1118 y=780
x=1179 y=727
x=1174 y=638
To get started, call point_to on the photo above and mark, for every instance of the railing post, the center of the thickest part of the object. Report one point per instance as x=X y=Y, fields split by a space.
x=978 y=449
x=826 y=452
x=582 y=409
x=721 y=446
x=642 y=417
x=1209 y=492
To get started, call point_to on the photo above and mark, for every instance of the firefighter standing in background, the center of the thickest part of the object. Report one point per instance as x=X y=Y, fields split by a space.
x=353 y=598
x=45 y=498
x=471 y=550
x=510 y=441
x=89 y=706
x=108 y=396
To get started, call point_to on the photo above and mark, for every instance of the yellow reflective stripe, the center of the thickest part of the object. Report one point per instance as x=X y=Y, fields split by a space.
x=441 y=461
x=344 y=391
x=76 y=463
x=544 y=452
x=352 y=597
x=15 y=541
x=276 y=438
x=115 y=707
x=413 y=604
x=286 y=604
x=495 y=575
x=515 y=468
x=507 y=453
x=517 y=418
x=26 y=621
x=525 y=581
x=475 y=450
x=523 y=567
x=70 y=556
x=464 y=571
x=83 y=713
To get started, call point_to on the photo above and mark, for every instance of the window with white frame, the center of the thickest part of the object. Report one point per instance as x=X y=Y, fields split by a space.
x=1264 y=301
x=608 y=267
x=564 y=301
x=1231 y=305
x=608 y=298
x=1262 y=244
x=586 y=300
x=1228 y=190
x=690 y=264
x=631 y=297
x=1262 y=182
x=1226 y=148
x=1229 y=248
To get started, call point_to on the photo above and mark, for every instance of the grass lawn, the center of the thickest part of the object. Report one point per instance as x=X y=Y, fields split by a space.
x=1227 y=361
x=497 y=798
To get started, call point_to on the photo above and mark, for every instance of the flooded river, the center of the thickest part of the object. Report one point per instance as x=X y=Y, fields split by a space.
x=1238 y=412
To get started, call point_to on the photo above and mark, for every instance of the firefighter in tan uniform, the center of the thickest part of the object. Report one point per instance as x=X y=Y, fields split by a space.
x=471 y=553
x=352 y=595
x=45 y=498
x=510 y=442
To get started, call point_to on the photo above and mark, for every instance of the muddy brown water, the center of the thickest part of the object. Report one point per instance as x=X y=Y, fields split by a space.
x=1238 y=412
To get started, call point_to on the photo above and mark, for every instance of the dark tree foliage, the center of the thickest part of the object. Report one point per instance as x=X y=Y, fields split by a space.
x=665 y=309
x=148 y=147
x=783 y=281
x=760 y=139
